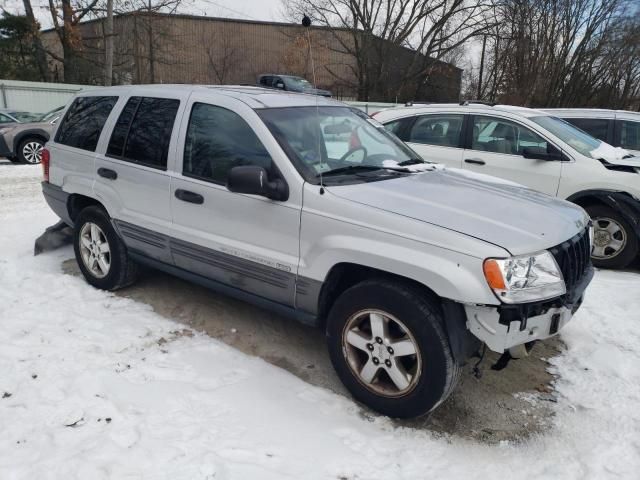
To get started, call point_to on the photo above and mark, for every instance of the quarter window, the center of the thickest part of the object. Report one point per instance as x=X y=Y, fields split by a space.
x=83 y=122
x=630 y=135
x=143 y=131
x=218 y=140
x=496 y=135
x=441 y=130
x=596 y=127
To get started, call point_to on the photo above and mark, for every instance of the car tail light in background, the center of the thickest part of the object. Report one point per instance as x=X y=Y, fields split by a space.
x=46 y=159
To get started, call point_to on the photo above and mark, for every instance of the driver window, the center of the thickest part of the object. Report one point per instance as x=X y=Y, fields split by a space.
x=218 y=140
x=497 y=135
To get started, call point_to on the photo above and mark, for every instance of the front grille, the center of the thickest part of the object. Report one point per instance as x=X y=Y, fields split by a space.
x=574 y=259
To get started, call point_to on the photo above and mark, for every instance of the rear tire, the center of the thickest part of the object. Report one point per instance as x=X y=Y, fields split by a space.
x=100 y=253
x=30 y=150
x=615 y=243
x=413 y=352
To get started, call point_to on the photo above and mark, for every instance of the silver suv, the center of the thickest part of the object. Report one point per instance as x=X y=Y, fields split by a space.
x=308 y=207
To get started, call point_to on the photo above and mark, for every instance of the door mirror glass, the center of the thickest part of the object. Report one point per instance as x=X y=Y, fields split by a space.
x=254 y=180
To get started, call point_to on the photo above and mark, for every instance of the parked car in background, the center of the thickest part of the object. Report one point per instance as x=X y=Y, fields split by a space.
x=264 y=196
x=8 y=115
x=23 y=142
x=290 y=83
x=619 y=128
x=543 y=152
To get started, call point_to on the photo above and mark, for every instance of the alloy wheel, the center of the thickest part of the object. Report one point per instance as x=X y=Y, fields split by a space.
x=94 y=250
x=32 y=152
x=382 y=353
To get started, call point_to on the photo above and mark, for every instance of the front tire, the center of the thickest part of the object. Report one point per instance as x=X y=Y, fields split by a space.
x=388 y=346
x=100 y=253
x=30 y=150
x=615 y=243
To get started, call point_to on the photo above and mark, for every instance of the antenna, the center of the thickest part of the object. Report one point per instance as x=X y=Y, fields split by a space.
x=306 y=23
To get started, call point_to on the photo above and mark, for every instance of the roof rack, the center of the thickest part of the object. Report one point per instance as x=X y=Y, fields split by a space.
x=481 y=102
x=411 y=103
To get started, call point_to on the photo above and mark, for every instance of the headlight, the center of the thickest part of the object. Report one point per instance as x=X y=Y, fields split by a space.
x=525 y=278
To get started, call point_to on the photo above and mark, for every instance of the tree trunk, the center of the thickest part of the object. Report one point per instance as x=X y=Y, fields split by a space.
x=108 y=45
x=41 y=57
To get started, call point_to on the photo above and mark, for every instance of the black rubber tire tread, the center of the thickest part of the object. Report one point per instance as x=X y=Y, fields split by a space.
x=421 y=313
x=13 y=159
x=630 y=252
x=123 y=270
x=19 y=156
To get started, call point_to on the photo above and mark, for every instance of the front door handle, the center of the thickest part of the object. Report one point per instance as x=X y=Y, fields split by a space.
x=475 y=161
x=107 y=173
x=191 y=197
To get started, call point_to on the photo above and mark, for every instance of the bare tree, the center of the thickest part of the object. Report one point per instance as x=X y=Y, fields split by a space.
x=41 y=57
x=396 y=44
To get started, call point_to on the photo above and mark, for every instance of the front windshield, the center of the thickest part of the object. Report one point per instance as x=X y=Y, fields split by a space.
x=579 y=140
x=24 y=116
x=322 y=139
x=297 y=83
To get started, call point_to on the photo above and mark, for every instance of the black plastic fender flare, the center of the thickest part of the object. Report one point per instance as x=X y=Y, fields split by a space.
x=628 y=206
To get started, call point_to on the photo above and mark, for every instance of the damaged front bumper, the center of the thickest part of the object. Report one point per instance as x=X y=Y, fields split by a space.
x=503 y=327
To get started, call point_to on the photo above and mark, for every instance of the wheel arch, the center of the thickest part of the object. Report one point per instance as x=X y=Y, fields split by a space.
x=77 y=202
x=35 y=133
x=620 y=201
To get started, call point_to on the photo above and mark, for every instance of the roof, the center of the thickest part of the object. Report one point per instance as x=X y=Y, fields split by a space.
x=471 y=107
x=254 y=97
x=591 y=112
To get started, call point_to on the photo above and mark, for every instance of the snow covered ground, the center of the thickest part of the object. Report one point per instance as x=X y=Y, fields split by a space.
x=95 y=386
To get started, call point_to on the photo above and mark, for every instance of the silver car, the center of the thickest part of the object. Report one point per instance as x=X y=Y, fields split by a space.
x=23 y=142
x=308 y=207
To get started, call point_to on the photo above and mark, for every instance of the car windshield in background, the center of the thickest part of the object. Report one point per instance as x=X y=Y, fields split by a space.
x=25 y=117
x=581 y=141
x=297 y=83
x=47 y=117
x=322 y=139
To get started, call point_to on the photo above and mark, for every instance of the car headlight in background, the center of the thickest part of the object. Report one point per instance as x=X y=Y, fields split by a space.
x=525 y=278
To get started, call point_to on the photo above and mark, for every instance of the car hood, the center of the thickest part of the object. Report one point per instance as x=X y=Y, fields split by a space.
x=515 y=218
x=615 y=155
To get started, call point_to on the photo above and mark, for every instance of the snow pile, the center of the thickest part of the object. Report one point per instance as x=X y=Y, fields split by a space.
x=94 y=386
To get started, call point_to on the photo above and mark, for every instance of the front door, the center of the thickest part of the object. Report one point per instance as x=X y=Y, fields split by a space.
x=497 y=147
x=245 y=241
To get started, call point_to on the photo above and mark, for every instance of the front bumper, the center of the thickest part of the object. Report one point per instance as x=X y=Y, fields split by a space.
x=506 y=326
x=5 y=151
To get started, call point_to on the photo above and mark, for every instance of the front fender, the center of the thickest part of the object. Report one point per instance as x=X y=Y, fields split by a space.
x=627 y=205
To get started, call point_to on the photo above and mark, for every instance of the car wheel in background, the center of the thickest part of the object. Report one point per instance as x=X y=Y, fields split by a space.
x=100 y=253
x=615 y=244
x=30 y=150
x=388 y=346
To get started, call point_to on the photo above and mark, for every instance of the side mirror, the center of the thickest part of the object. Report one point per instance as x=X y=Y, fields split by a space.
x=538 y=153
x=280 y=85
x=254 y=180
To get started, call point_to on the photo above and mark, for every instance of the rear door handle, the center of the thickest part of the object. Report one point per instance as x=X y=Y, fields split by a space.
x=191 y=197
x=475 y=161
x=107 y=173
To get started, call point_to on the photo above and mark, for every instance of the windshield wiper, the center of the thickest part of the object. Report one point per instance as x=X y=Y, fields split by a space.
x=360 y=168
x=411 y=161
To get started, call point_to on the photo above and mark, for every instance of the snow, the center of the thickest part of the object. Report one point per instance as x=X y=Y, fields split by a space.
x=95 y=386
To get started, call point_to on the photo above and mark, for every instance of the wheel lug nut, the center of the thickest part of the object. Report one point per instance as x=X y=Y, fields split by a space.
x=378 y=339
x=376 y=361
x=370 y=346
x=387 y=363
x=390 y=350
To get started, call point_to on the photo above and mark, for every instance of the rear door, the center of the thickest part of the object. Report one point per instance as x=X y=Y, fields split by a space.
x=246 y=241
x=437 y=138
x=132 y=179
x=496 y=148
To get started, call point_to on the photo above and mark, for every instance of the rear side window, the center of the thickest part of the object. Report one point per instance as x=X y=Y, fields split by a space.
x=218 y=140
x=630 y=135
x=596 y=127
x=442 y=130
x=83 y=122
x=143 y=131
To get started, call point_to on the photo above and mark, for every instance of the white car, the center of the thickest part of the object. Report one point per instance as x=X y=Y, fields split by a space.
x=535 y=149
x=619 y=128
